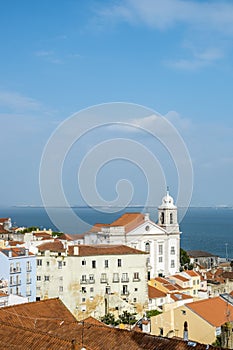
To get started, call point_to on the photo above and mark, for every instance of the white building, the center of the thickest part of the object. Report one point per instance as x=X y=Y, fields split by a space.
x=93 y=280
x=161 y=240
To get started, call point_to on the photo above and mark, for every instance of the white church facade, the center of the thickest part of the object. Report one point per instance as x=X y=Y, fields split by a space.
x=160 y=240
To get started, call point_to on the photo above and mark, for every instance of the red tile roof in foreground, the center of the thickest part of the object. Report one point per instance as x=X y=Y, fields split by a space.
x=180 y=296
x=49 y=325
x=3 y=220
x=90 y=250
x=216 y=311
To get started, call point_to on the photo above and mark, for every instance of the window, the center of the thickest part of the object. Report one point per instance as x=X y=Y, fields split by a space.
x=103 y=278
x=134 y=300
x=61 y=278
x=47 y=263
x=172 y=263
x=161 y=332
x=84 y=289
x=160 y=259
x=84 y=278
x=194 y=292
x=60 y=289
x=83 y=262
x=83 y=300
x=91 y=279
x=150 y=301
x=38 y=278
x=125 y=289
x=171 y=218
x=28 y=266
x=39 y=262
x=119 y=262
x=194 y=282
x=106 y=263
x=160 y=249
x=93 y=264
x=116 y=277
x=91 y=290
x=147 y=247
x=135 y=289
x=136 y=276
x=183 y=312
x=64 y=263
x=46 y=278
x=172 y=250
x=125 y=277
x=59 y=264
x=197 y=281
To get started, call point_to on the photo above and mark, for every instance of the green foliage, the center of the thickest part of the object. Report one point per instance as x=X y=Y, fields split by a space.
x=217 y=341
x=151 y=313
x=109 y=319
x=30 y=229
x=57 y=234
x=185 y=261
x=127 y=318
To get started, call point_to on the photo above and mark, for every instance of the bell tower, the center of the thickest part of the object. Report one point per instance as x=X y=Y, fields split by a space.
x=167 y=214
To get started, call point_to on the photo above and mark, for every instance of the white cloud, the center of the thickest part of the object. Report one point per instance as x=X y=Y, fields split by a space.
x=49 y=56
x=163 y=14
x=16 y=101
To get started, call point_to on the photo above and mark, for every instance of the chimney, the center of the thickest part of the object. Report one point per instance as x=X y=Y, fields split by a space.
x=10 y=253
x=146 y=217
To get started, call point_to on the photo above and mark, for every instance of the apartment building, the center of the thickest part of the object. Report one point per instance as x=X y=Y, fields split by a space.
x=18 y=269
x=93 y=280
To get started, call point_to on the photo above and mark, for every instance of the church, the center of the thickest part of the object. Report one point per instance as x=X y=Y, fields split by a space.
x=160 y=240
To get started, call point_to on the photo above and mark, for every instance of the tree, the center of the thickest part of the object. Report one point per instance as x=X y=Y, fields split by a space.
x=109 y=319
x=151 y=313
x=127 y=318
x=185 y=260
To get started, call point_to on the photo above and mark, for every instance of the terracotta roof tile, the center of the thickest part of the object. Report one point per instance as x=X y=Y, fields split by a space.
x=180 y=296
x=180 y=277
x=191 y=273
x=49 y=325
x=90 y=250
x=216 y=311
x=55 y=246
x=16 y=251
x=155 y=293
x=199 y=254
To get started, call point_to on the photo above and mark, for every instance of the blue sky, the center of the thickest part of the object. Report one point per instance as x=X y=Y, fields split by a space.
x=173 y=56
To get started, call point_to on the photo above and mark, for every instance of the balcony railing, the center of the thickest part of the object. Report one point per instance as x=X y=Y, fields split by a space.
x=125 y=280
x=103 y=280
x=116 y=280
x=136 y=279
x=83 y=281
x=15 y=270
x=123 y=292
x=15 y=283
x=28 y=294
x=29 y=281
x=91 y=281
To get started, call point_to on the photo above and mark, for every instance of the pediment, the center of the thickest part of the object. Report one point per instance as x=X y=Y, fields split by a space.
x=147 y=228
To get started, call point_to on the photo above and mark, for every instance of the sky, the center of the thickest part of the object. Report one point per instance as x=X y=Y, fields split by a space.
x=174 y=57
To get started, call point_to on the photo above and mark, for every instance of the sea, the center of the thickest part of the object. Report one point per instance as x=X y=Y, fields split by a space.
x=208 y=229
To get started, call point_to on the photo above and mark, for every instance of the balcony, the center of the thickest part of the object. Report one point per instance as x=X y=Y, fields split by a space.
x=116 y=280
x=29 y=281
x=83 y=281
x=136 y=279
x=125 y=292
x=125 y=280
x=15 y=270
x=15 y=283
x=28 y=294
x=103 y=280
x=91 y=281
x=29 y=269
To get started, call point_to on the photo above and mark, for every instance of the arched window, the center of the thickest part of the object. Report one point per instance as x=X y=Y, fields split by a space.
x=171 y=218
x=186 y=330
x=147 y=247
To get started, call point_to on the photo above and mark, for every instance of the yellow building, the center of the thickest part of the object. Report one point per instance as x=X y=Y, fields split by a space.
x=199 y=321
